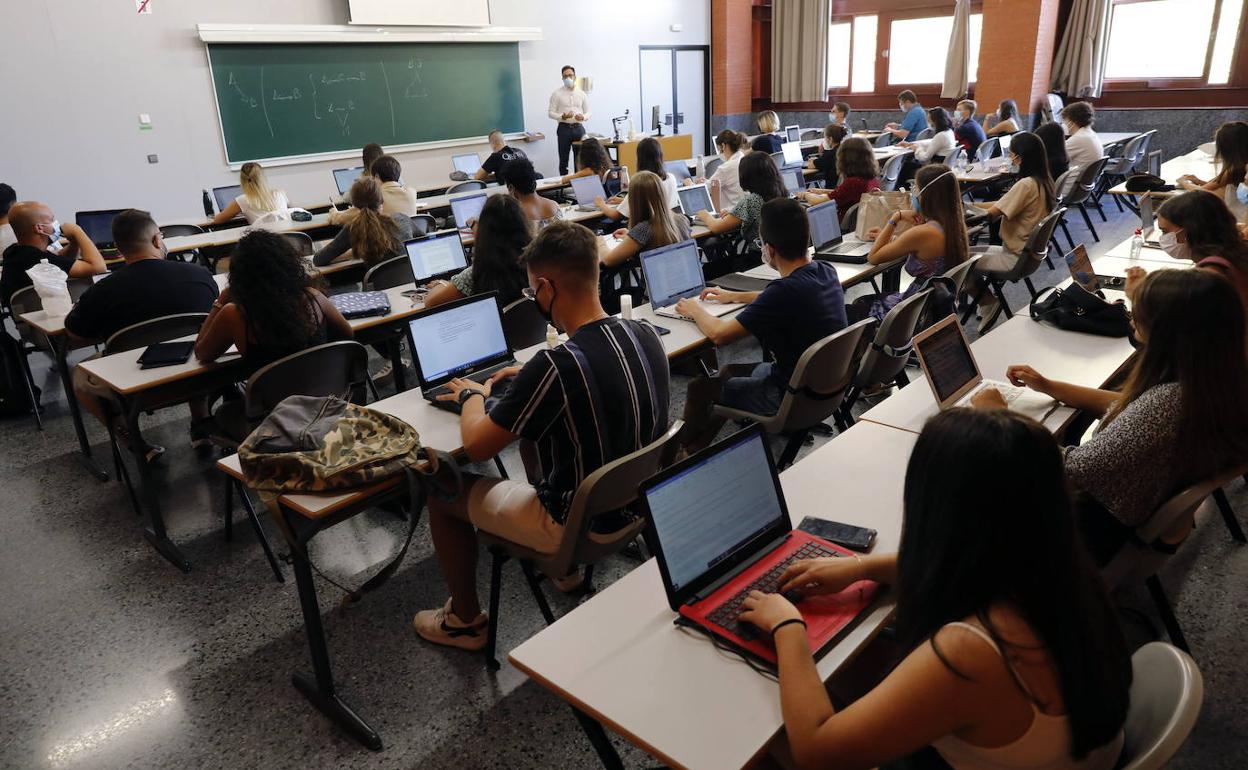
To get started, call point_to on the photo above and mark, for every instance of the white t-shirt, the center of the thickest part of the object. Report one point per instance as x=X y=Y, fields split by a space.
x=7 y=237
x=669 y=194
x=939 y=146
x=730 y=191
x=1084 y=148
x=251 y=214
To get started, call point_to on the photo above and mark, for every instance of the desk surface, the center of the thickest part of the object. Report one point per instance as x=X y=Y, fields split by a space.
x=53 y=325
x=1198 y=163
x=619 y=658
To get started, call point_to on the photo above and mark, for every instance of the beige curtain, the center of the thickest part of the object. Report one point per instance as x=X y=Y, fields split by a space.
x=1079 y=67
x=957 y=61
x=799 y=50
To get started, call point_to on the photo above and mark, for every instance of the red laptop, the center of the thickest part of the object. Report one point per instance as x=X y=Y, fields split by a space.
x=719 y=526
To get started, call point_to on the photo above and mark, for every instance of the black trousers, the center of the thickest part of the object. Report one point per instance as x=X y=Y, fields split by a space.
x=567 y=133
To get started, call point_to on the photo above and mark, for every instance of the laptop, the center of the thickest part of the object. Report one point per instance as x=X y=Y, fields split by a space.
x=98 y=225
x=678 y=169
x=1148 y=222
x=466 y=210
x=793 y=133
x=436 y=256
x=954 y=376
x=673 y=273
x=461 y=339
x=693 y=199
x=224 y=196
x=1082 y=273
x=1005 y=140
x=587 y=189
x=345 y=177
x=469 y=163
x=719 y=526
x=794 y=180
x=792 y=154
x=829 y=242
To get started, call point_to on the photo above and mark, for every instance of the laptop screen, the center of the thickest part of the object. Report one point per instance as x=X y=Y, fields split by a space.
x=225 y=195
x=694 y=199
x=792 y=153
x=587 y=189
x=98 y=225
x=1081 y=269
x=1005 y=143
x=947 y=359
x=467 y=208
x=712 y=511
x=468 y=163
x=672 y=273
x=794 y=180
x=344 y=177
x=456 y=338
x=1147 y=221
x=678 y=169
x=793 y=134
x=436 y=255
x=825 y=227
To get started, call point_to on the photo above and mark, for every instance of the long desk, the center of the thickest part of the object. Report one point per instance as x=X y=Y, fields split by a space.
x=1198 y=163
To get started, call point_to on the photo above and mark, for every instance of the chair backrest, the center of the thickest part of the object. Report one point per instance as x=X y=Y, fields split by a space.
x=1133 y=151
x=712 y=165
x=778 y=158
x=1065 y=183
x=302 y=243
x=885 y=139
x=1051 y=108
x=926 y=133
x=812 y=133
x=890 y=350
x=891 y=172
x=23 y=301
x=424 y=223
x=989 y=148
x=962 y=273
x=395 y=271
x=471 y=184
x=821 y=379
x=849 y=219
x=333 y=369
x=173 y=231
x=151 y=331
x=523 y=324
x=1037 y=245
x=1167 y=691
x=956 y=158
x=1089 y=178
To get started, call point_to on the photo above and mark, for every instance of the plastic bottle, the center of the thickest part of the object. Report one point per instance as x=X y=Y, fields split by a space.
x=208 y=212
x=1137 y=243
x=552 y=336
x=623 y=178
x=626 y=306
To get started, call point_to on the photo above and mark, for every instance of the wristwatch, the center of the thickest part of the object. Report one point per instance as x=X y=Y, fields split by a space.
x=468 y=393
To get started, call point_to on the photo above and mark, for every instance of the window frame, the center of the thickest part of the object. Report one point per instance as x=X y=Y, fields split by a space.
x=1137 y=83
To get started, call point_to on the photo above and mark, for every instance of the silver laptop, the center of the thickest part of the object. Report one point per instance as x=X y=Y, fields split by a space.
x=345 y=177
x=469 y=163
x=693 y=199
x=792 y=154
x=436 y=256
x=678 y=169
x=794 y=180
x=954 y=376
x=793 y=133
x=674 y=273
x=467 y=210
x=826 y=236
x=1148 y=222
x=587 y=189
x=224 y=196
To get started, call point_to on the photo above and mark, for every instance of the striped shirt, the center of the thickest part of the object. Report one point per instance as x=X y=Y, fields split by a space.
x=601 y=395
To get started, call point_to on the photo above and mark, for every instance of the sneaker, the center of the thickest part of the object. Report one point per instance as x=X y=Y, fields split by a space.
x=384 y=373
x=153 y=452
x=201 y=432
x=442 y=626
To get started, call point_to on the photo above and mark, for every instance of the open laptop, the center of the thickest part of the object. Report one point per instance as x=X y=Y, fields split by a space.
x=1148 y=222
x=98 y=225
x=345 y=177
x=1082 y=273
x=673 y=273
x=436 y=256
x=461 y=339
x=587 y=189
x=954 y=376
x=719 y=526
x=794 y=180
x=793 y=133
x=693 y=199
x=829 y=242
x=792 y=154
x=678 y=169
x=469 y=163
x=466 y=210
x=224 y=196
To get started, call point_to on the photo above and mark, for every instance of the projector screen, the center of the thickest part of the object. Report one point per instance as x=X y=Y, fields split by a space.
x=459 y=13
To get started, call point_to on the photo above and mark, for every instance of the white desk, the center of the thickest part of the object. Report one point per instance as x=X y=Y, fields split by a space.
x=619 y=658
x=1198 y=163
x=231 y=235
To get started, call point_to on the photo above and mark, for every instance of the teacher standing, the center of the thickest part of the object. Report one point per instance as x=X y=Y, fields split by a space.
x=569 y=106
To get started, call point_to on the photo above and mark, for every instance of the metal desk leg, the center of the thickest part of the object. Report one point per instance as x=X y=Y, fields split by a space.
x=396 y=361
x=319 y=689
x=602 y=742
x=60 y=347
x=155 y=533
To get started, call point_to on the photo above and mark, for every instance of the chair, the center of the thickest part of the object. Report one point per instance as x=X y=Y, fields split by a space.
x=471 y=184
x=1118 y=168
x=1051 y=108
x=395 y=271
x=302 y=243
x=989 y=148
x=926 y=133
x=162 y=329
x=424 y=224
x=712 y=165
x=1167 y=691
x=778 y=159
x=956 y=159
x=1035 y=251
x=29 y=341
x=1081 y=194
x=812 y=133
x=849 y=220
x=1062 y=189
x=891 y=172
x=611 y=488
x=815 y=391
x=884 y=362
x=523 y=324
x=174 y=231
x=886 y=139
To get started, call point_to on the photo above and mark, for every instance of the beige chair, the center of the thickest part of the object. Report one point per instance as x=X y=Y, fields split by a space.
x=1166 y=695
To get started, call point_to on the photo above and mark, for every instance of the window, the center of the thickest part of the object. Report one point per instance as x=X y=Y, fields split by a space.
x=865 y=30
x=915 y=47
x=839 y=35
x=1201 y=50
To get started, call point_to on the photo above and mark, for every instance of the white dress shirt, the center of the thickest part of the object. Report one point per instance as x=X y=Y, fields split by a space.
x=729 y=183
x=939 y=145
x=1084 y=148
x=571 y=100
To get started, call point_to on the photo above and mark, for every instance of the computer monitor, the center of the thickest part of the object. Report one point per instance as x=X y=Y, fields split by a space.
x=794 y=180
x=825 y=226
x=693 y=199
x=435 y=256
x=469 y=162
x=588 y=189
x=792 y=153
x=672 y=273
x=345 y=177
x=655 y=125
x=678 y=169
x=224 y=196
x=98 y=225
x=467 y=208
x=457 y=339
x=793 y=133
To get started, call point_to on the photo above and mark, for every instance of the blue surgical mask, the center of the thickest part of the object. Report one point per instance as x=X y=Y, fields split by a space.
x=914 y=203
x=1241 y=192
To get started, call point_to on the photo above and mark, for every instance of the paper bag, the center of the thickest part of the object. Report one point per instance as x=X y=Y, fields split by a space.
x=876 y=207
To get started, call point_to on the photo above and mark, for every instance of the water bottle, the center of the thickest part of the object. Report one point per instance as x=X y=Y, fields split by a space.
x=623 y=178
x=552 y=336
x=1137 y=243
x=208 y=212
x=626 y=306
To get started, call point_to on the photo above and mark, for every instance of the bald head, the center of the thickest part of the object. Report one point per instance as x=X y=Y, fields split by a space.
x=26 y=217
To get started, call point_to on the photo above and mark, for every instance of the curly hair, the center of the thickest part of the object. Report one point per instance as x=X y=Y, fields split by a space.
x=593 y=155
x=269 y=282
x=518 y=174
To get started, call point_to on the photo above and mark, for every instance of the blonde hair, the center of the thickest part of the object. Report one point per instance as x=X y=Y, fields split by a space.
x=768 y=122
x=970 y=105
x=374 y=236
x=646 y=203
x=256 y=187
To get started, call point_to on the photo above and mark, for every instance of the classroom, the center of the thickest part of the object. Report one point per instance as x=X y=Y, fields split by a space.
x=696 y=384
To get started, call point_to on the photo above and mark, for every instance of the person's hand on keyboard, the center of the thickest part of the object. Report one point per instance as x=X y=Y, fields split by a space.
x=723 y=296
x=766 y=611
x=989 y=398
x=820 y=577
x=457 y=385
x=1026 y=377
x=506 y=373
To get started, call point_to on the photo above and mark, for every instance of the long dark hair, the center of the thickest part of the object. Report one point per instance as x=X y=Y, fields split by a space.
x=1192 y=322
x=269 y=282
x=650 y=157
x=1033 y=162
x=940 y=119
x=502 y=234
x=1231 y=151
x=1210 y=227
x=758 y=174
x=940 y=197
x=965 y=549
x=594 y=156
x=854 y=157
x=1008 y=110
x=1054 y=140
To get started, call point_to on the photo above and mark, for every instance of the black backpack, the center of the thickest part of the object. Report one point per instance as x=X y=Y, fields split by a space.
x=14 y=393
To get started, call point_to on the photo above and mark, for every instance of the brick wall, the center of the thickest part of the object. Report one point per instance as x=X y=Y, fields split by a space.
x=1016 y=52
x=731 y=60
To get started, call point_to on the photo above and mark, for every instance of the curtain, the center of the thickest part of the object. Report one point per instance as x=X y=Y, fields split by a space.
x=957 y=61
x=1079 y=67
x=799 y=50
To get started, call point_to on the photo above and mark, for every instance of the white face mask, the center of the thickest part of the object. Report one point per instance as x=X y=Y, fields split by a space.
x=1241 y=193
x=1170 y=244
x=569 y=82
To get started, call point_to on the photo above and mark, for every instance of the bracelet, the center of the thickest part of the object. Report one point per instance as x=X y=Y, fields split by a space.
x=468 y=393
x=784 y=623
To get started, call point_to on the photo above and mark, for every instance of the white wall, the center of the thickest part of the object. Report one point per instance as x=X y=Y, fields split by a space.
x=79 y=72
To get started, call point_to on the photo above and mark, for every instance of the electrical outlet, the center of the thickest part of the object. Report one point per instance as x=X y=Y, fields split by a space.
x=153 y=159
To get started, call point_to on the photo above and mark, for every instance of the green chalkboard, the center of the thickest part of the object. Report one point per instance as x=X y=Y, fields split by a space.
x=278 y=100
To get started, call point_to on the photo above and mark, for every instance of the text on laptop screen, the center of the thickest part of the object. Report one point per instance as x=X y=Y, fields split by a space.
x=678 y=169
x=694 y=199
x=468 y=163
x=824 y=227
x=703 y=515
x=793 y=134
x=794 y=181
x=948 y=360
x=98 y=225
x=587 y=189
x=792 y=153
x=345 y=177
x=455 y=339
x=225 y=195
x=438 y=255
x=672 y=273
x=467 y=208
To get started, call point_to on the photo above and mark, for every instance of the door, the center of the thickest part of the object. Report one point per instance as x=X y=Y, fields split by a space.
x=676 y=79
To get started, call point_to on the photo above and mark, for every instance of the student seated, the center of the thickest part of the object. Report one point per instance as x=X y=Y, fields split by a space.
x=825 y=161
x=649 y=158
x=969 y=133
x=933 y=242
x=257 y=198
x=371 y=235
x=915 y=119
x=1083 y=146
x=652 y=225
x=7 y=198
x=396 y=198
x=795 y=311
x=1231 y=156
x=760 y=182
x=1197 y=226
x=521 y=182
x=1013 y=655
x=769 y=139
x=859 y=173
x=839 y=116
x=724 y=185
x=371 y=152
x=1054 y=139
x=500 y=153
x=37 y=231
x=1009 y=121
x=574 y=423
x=502 y=234
x=592 y=159
x=942 y=142
x=1181 y=417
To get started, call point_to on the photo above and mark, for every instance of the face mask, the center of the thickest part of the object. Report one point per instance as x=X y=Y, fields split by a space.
x=914 y=204
x=1241 y=193
x=548 y=311
x=56 y=231
x=568 y=82
x=1170 y=244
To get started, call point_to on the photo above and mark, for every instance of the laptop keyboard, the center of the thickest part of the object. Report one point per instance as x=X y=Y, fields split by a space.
x=725 y=615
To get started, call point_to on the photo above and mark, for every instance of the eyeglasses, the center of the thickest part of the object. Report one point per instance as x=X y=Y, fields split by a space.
x=528 y=292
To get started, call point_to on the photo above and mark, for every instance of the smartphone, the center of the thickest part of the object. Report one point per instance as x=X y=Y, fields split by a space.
x=662 y=330
x=846 y=535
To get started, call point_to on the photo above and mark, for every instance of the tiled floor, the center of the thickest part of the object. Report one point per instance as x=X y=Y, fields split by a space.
x=110 y=658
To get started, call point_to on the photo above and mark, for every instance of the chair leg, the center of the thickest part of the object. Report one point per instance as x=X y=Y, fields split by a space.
x=123 y=476
x=1228 y=516
x=587 y=581
x=791 y=449
x=1167 y=614
x=1030 y=286
x=29 y=376
x=535 y=585
x=502 y=469
x=497 y=558
x=1088 y=220
x=229 y=509
x=263 y=538
x=1066 y=232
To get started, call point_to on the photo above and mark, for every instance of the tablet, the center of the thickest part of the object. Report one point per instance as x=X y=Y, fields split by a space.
x=166 y=354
